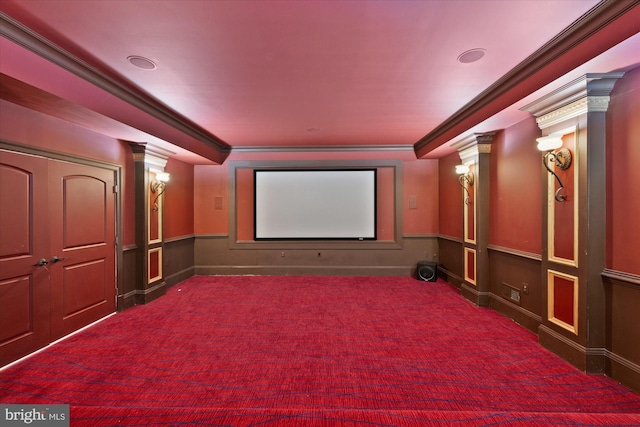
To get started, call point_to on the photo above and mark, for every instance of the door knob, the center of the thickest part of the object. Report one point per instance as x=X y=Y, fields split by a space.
x=42 y=262
x=56 y=259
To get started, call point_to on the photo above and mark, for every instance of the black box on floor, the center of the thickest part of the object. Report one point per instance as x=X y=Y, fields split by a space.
x=427 y=271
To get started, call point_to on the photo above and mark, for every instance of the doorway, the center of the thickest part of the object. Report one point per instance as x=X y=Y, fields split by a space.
x=57 y=250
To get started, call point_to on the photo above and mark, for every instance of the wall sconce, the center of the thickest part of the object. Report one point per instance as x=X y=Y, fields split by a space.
x=158 y=185
x=466 y=179
x=562 y=158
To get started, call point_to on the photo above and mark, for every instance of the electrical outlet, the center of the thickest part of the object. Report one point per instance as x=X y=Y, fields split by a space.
x=282 y=254
x=525 y=288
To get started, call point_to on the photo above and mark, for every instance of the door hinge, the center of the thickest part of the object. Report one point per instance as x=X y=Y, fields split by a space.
x=115 y=182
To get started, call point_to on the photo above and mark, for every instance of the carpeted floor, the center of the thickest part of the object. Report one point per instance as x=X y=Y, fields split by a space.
x=267 y=350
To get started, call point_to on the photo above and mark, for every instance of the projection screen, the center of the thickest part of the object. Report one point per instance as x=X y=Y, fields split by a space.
x=315 y=204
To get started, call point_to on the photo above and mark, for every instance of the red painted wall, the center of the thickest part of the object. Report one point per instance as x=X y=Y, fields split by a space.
x=623 y=175
x=28 y=127
x=450 y=197
x=210 y=182
x=516 y=188
x=419 y=178
x=178 y=200
x=386 y=209
x=244 y=204
x=245 y=199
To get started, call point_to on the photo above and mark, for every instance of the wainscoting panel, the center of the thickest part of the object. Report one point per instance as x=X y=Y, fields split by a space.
x=126 y=295
x=562 y=300
x=214 y=255
x=451 y=265
x=515 y=286
x=178 y=259
x=154 y=265
x=623 y=317
x=470 y=265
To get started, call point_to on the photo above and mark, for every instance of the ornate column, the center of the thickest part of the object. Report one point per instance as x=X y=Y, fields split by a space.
x=149 y=162
x=574 y=218
x=475 y=154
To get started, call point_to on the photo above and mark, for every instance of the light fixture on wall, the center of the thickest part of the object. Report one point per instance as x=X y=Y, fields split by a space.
x=562 y=158
x=466 y=179
x=158 y=185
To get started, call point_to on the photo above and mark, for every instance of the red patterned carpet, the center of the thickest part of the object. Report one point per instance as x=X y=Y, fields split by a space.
x=314 y=351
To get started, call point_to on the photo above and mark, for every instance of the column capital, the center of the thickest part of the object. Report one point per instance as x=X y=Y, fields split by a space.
x=473 y=145
x=153 y=156
x=588 y=93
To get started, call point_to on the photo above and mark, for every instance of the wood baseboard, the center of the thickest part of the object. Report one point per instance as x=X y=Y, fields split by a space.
x=179 y=276
x=523 y=317
x=311 y=270
x=147 y=295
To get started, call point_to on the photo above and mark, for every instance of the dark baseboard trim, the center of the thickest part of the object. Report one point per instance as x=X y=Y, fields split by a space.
x=126 y=301
x=523 y=317
x=311 y=270
x=623 y=370
x=480 y=299
x=145 y=296
x=563 y=347
x=179 y=276
x=589 y=360
x=450 y=277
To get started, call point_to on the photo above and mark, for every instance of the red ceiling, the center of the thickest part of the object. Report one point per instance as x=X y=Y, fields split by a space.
x=295 y=73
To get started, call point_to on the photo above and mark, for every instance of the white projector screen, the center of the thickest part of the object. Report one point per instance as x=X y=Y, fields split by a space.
x=315 y=204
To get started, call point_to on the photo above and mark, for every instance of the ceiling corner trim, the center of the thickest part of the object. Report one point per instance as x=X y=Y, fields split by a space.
x=320 y=148
x=539 y=69
x=30 y=40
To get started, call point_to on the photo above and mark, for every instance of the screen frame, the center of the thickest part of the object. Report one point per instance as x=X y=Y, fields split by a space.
x=374 y=170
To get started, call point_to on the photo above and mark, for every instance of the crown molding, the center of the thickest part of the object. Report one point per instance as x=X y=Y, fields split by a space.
x=588 y=93
x=320 y=148
x=591 y=85
x=539 y=69
x=472 y=145
x=151 y=155
x=34 y=42
x=575 y=109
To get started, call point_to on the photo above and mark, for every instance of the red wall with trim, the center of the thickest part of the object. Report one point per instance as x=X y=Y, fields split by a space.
x=28 y=127
x=419 y=178
x=516 y=188
x=623 y=175
x=178 y=200
x=210 y=182
x=450 y=197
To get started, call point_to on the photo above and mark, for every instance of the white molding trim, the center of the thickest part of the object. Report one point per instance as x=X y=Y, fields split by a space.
x=320 y=148
x=25 y=37
x=588 y=93
x=473 y=145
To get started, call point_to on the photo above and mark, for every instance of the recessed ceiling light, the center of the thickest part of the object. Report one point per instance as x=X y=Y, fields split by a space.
x=142 y=62
x=472 y=55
